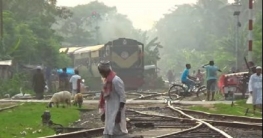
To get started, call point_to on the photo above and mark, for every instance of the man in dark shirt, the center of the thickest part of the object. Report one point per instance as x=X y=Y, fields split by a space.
x=63 y=80
x=38 y=83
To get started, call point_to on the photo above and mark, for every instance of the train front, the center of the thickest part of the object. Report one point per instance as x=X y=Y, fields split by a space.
x=126 y=56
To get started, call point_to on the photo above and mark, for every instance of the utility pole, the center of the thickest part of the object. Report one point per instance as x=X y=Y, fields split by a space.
x=238 y=24
x=1 y=20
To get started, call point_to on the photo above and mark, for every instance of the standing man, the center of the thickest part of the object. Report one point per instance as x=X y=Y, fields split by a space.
x=63 y=80
x=211 y=78
x=39 y=83
x=112 y=103
x=75 y=80
x=255 y=88
x=187 y=79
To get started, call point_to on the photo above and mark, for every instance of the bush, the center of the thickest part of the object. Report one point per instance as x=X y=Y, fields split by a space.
x=12 y=86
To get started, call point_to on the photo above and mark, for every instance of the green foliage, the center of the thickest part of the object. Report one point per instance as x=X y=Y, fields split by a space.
x=12 y=86
x=151 y=46
x=28 y=37
x=64 y=61
x=206 y=31
x=27 y=117
x=80 y=28
x=257 y=48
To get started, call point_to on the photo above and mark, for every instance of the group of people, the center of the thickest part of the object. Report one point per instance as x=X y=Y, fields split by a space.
x=65 y=83
x=254 y=85
x=211 y=77
x=113 y=100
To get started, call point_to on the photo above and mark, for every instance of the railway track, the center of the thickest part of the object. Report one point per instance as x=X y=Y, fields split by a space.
x=169 y=122
x=215 y=119
x=139 y=123
x=218 y=117
x=199 y=131
x=91 y=133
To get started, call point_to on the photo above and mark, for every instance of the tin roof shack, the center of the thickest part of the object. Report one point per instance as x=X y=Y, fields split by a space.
x=5 y=69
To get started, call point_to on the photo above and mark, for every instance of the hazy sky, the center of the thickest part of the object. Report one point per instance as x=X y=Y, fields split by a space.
x=143 y=13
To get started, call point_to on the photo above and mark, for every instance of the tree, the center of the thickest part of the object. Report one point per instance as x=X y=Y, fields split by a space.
x=204 y=31
x=80 y=29
x=257 y=33
x=30 y=22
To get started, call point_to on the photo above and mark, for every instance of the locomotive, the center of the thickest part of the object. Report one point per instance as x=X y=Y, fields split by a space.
x=125 y=55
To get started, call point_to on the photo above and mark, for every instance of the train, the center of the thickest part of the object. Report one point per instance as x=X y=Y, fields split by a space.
x=126 y=57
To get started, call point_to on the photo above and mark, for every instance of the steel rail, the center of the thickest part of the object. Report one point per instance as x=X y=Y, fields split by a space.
x=222 y=116
x=198 y=120
x=99 y=131
x=79 y=134
x=187 y=130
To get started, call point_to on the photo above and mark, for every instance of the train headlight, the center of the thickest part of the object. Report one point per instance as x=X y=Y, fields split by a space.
x=124 y=54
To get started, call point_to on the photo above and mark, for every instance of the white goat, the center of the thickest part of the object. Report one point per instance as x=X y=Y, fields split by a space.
x=60 y=97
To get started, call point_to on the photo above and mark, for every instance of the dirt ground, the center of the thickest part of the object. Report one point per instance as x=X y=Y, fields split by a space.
x=7 y=104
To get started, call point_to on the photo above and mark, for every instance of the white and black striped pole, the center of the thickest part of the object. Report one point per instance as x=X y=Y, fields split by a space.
x=250 y=28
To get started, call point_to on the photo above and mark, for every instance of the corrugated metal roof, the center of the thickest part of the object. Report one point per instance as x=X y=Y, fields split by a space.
x=88 y=49
x=6 y=63
x=70 y=49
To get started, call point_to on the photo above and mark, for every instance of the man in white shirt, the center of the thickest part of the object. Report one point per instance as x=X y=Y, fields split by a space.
x=255 y=88
x=74 y=80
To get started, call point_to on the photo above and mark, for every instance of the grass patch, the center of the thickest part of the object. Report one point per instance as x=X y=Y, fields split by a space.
x=27 y=117
x=238 y=109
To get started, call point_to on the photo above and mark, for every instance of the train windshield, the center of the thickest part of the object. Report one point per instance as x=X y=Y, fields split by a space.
x=129 y=56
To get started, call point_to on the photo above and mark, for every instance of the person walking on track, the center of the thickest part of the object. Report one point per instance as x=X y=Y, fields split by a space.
x=255 y=88
x=112 y=103
x=211 y=78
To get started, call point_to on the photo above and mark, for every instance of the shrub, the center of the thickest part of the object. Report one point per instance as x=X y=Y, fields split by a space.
x=12 y=85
